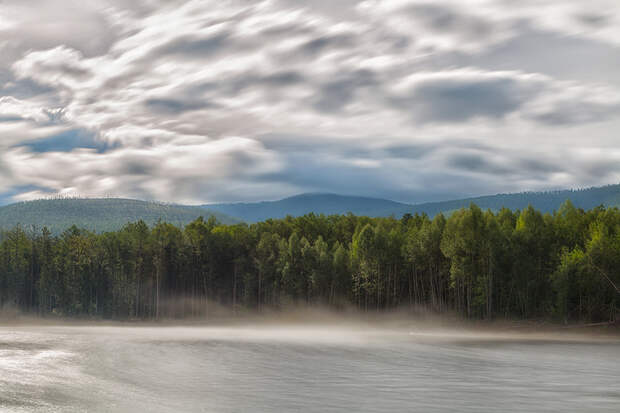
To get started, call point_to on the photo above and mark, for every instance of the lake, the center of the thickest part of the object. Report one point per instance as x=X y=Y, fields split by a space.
x=278 y=368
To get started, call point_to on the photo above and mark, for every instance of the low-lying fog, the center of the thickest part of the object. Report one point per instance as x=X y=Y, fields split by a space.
x=327 y=365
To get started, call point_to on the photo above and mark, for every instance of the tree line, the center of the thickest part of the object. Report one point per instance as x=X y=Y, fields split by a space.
x=479 y=264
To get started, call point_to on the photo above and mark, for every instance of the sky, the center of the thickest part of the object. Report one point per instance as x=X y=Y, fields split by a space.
x=225 y=101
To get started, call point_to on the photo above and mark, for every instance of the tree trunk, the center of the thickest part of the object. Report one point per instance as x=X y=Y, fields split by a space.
x=234 y=296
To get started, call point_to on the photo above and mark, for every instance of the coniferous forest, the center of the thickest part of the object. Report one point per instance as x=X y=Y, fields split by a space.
x=478 y=264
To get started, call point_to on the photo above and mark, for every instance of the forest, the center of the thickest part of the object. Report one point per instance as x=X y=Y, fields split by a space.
x=476 y=264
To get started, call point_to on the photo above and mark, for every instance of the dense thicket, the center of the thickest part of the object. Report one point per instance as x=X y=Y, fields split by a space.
x=479 y=264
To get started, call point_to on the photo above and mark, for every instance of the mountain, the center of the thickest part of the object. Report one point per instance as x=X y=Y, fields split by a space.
x=549 y=201
x=109 y=214
x=327 y=204
x=375 y=207
x=106 y=214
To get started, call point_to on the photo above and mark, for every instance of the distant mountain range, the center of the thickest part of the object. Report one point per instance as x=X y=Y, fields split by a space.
x=328 y=204
x=112 y=213
x=100 y=215
x=375 y=207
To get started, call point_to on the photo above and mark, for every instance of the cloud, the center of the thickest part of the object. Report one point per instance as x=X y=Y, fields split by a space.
x=574 y=104
x=335 y=94
x=12 y=109
x=460 y=95
x=153 y=173
x=220 y=101
x=78 y=24
x=175 y=106
x=195 y=46
x=456 y=96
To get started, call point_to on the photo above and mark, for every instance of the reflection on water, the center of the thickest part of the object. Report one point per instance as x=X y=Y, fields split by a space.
x=206 y=369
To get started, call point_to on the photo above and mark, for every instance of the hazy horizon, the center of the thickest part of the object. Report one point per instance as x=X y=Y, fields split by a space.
x=242 y=201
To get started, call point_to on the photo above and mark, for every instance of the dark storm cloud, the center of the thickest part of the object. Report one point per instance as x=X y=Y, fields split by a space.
x=412 y=151
x=443 y=18
x=138 y=166
x=318 y=170
x=575 y=112
x=457 y=100
x=308 y=143
x=594 y=19
x=335 y=94
x=175 y=106
x=477 y=163
x=538 y=166
x=320 y=163
x=193 y=46
x=272 y=81
x=324 y=43
x=284 y=78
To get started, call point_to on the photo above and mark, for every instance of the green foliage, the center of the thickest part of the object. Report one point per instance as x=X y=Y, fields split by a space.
x=99 y=215
x=328 y=204
x=479 y=264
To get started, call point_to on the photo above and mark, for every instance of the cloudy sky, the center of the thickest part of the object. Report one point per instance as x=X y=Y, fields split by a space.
x=208 y=101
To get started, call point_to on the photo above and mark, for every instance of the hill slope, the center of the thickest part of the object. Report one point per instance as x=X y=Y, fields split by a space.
x=339 y=204
x=327 y=204
x=99 y=214
x=587 y=198
x=111 y=214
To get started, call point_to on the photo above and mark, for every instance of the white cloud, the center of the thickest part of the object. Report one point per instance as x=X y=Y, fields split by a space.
x=183 y=94
x=169 y=171
x=12 y=108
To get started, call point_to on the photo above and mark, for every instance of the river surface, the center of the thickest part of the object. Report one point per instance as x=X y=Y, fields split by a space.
x=302 y=369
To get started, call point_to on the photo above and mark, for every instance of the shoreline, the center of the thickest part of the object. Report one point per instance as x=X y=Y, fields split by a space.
x=321 y=319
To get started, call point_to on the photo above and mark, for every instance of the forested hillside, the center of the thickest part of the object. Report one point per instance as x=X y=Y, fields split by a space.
x=105 y=214
x=328 y=204
x=339 y=204
x=476 y=263
x=111 y=214
x=549 y=201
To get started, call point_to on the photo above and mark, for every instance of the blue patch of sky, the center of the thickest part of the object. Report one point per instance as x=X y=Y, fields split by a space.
x=68 y=141
x=7 y=197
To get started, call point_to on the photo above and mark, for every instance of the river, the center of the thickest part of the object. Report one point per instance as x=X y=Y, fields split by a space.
x=289 y=368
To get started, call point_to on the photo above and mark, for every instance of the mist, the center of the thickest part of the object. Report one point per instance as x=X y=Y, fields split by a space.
x=307 y=360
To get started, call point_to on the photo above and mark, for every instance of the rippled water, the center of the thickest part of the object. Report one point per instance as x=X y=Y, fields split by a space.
x=306 y=369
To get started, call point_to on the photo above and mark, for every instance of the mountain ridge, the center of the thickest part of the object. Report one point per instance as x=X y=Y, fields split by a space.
x=320 y=203
x=107 y=214
x=99 y=214
x=546 y=201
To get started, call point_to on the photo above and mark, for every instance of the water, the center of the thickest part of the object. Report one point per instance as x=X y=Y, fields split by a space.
x=304 y=369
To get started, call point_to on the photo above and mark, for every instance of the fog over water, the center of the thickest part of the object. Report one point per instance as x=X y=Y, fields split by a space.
x=321 y=367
